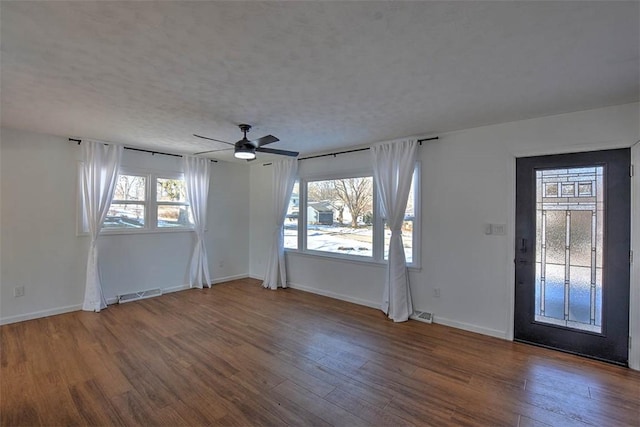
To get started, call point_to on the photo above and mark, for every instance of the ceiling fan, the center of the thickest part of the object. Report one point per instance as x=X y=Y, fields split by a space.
x=246 y=149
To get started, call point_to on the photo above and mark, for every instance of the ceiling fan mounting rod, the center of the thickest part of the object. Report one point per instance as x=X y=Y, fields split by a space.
x=244 y=128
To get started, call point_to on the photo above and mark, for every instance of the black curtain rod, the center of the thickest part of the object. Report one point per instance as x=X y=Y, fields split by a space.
x=143 y=151
x=420 y=141
x=152 y=152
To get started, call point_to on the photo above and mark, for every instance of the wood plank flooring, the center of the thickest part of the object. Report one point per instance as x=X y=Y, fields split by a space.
x=240 y=355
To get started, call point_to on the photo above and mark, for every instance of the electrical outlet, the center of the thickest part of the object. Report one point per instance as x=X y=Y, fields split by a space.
x=436 y=292
x=18 y=291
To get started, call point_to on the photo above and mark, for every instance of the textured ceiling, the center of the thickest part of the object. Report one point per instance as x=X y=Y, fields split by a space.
x=319 y=75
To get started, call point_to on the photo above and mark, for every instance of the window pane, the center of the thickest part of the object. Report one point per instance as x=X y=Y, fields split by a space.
x=568 y=190
x=568 y=288
x=170 y=190
x=551 y=189
x=130 y=187
x=340 y=216
x=407 y=239
x=407 y=227
x=584 y=189
x=121 y=215
x=291 y=220
x=174 y=216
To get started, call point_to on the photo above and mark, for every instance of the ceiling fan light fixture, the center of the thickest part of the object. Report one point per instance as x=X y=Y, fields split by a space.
x=244 y=153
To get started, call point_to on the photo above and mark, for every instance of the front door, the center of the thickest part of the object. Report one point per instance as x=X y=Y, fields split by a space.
x=572 y=253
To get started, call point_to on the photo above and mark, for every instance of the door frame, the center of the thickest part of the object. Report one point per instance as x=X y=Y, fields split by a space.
x=634 y=303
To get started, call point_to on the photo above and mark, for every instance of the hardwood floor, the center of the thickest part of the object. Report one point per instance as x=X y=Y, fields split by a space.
x=240 y=355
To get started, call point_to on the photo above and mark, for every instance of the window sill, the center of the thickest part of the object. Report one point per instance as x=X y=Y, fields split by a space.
x=346 y=259
x=131 y=231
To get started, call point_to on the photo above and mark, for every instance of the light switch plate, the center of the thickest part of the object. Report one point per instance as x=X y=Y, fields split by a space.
x=499 y=229
x=495 y=229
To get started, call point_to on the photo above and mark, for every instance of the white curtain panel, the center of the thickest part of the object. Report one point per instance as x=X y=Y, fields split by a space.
x=393 y=165
x=284 y=177
x=196 y=176
x=99 y=178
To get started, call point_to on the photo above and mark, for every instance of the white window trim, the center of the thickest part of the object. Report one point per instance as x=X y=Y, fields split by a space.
x=151 y=204
x=378 y=227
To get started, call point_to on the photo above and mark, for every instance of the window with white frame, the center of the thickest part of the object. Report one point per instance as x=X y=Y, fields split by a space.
x=339 y=216
x=146 y=201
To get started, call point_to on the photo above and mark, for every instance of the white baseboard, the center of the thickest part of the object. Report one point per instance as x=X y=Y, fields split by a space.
x=436 y=319
x=114 y=300
x=110 y=301
x=470 y=327
x=39 y=314
x=334 y=295
x=186 y=286
x=229 y=278
x=175 y=288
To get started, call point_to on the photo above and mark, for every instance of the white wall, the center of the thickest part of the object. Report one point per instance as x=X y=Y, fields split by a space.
x=260 y=208
x=468 y=179
x=41 y=250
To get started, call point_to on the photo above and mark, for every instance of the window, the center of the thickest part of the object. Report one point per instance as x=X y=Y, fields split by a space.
x=291 y=219
x=339 y=217
x=172 y=209
x=129 y=206
x=409 y=225
x=146 y=201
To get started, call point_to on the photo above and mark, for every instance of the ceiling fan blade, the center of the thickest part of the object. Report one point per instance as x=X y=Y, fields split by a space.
x=212 y=139
x=212 y=151
x=280 y=152
x=264 y=141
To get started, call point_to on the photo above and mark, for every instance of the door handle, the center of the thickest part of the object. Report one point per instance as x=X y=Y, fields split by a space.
x=523 y=245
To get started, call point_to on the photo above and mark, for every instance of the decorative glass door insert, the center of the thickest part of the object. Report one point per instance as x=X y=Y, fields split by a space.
x=569 y=247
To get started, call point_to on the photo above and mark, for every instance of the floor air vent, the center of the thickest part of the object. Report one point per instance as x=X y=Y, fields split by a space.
x=422 y=316
x=135 y=296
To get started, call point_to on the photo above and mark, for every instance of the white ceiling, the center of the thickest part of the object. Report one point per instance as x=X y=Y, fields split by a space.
x=319 y=75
